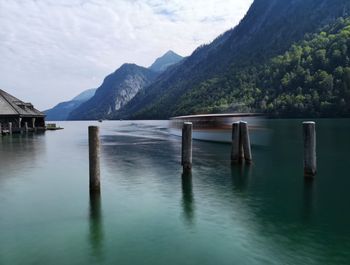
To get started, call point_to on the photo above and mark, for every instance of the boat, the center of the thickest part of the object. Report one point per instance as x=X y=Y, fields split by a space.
x=52 y=127
x=218 y=127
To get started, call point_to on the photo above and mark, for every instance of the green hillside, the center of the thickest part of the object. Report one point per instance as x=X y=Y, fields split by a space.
x=311 y=79
x=236 y=71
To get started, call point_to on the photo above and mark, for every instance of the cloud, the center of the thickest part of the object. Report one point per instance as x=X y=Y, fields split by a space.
x=51 y=50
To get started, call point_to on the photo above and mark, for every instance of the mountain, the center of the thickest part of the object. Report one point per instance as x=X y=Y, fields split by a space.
x=217 y=77
x=120 y=87
x=312 y=78
x=116 y=90
x=162 y=63
x=61 y=111
x=85 y=95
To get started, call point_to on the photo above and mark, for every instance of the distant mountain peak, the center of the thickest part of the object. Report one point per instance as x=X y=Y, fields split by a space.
x=116 y=90
x=61 y=111
x=170 y=52
x=128 y=65
x=163 y=62
x=85 y=95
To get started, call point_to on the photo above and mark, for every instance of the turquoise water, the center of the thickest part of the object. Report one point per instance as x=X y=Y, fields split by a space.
x=148 y=213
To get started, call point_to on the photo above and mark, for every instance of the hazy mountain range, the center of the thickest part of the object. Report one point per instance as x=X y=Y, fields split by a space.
x=116 y=90
x=286 y=58
x=61 y=111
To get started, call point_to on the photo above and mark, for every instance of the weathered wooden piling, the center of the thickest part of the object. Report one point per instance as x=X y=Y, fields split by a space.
x=26 y=127
x=186 y=157
x=0 y=129
x=241 y=148
x=33 y=123
x=236 y=149
x=10 y=128
x=309 y=135
x=94 y=159
x=244 y=133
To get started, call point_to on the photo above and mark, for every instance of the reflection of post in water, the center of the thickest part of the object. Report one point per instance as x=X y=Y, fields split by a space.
x=308 y=199
x=240 y=177
x=96 y=233
x=187 y=196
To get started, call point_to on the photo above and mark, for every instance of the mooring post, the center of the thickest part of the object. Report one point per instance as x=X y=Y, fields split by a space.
x=26 y=127
x=236 y=149
x=94 y=159
x=10 y=128
x=246 y=142
x=309 y=135
x=186 y=157
x=33 y=124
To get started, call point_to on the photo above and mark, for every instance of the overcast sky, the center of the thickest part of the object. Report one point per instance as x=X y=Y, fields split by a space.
x=51 y=50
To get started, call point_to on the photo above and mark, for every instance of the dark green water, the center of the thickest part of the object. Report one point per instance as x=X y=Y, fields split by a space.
x=149 y=214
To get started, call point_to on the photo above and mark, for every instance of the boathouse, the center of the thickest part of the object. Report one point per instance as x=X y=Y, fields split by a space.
x=18 y=115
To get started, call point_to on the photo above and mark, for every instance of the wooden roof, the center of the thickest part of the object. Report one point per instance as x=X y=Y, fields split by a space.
x=12 y=106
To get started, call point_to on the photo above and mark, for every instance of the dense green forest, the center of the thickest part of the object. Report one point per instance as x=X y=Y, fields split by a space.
x=311 y=79
x=281 y=59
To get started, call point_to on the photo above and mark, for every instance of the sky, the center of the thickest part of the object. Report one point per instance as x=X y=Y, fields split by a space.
x=51 y=50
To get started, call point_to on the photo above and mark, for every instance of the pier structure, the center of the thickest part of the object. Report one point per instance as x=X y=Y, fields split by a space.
x=17 y=116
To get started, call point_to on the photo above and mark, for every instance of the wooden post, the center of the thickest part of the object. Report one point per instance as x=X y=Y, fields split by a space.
x=246 y=142
x=0 y=130
x=94 y=159
x=10 y=128
x=26 y=127
x=186 y=157
x=309 y=135
x=33 y=124
x=236 y=149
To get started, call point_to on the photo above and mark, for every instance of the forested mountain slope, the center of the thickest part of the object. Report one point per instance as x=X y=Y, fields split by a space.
x=207 y=81
x=311 y=79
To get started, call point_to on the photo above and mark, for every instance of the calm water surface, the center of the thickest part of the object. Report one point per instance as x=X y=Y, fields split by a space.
x=148 y=213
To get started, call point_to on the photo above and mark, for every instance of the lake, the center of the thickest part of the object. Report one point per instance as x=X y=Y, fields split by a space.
x=148 y=213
